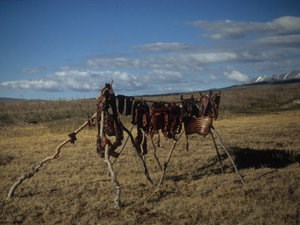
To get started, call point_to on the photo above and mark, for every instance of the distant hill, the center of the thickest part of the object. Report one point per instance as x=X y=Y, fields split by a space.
x=243 y=99
x=11 y=99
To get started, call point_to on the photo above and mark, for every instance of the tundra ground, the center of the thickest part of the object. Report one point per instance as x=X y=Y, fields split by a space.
x=75 y=189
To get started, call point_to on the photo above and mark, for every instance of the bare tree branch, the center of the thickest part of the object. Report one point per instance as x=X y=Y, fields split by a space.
x=36 y=168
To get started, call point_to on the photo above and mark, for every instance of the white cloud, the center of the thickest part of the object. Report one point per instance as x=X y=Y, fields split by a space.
x=213 y=57
x=163 y=76
x=236 y=76
x=30 y=70
x=285 y=25
x=286 y=40
x=182 y=61
x=213 y=77
x=112 y=62
x=73 y=74
x=270 y=47
x=48 y=85
x=162 y=46
x=235 y=30
x=78 y=80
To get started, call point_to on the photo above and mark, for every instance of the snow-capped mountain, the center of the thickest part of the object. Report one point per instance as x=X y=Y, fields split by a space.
x=293 y=75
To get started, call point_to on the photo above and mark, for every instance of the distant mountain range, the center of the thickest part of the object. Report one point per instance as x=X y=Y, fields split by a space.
x=291 y=76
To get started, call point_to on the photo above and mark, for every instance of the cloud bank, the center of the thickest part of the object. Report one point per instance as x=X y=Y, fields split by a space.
x=251 y=49
x=236 y=30
x=236 y=76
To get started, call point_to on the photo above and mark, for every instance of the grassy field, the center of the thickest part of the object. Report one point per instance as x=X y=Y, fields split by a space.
x=259 y=125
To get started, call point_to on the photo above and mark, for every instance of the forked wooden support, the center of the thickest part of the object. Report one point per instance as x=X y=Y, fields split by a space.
x=229 y=156
x=109 y=164
x=168 y=159
x=146 y=173
x=36 y=168
x=221 y=143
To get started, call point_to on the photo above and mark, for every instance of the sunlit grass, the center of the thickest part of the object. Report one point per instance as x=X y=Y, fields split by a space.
x=75 y=189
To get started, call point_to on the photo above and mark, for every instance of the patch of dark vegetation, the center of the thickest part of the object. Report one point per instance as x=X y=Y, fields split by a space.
x=6 y=119
x=32 y=117
x=5 y=159
x=37 y=111
x=271 y=158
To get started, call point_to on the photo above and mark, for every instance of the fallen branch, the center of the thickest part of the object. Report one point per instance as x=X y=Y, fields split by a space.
x=212 y=188
x=264 y=174
x=36 y=168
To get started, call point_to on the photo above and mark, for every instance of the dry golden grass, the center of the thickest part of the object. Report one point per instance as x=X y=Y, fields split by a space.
x=75 y=188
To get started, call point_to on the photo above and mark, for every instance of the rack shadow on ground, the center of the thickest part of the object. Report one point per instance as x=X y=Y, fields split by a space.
x=244 y=158
x=270 y=158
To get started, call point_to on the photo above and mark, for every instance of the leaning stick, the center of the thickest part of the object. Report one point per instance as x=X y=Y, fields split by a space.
x=234 y=166
x=146 y=173
x=168 y=159
x=154 y=153
x=142 y=143
x=125 y=143
x=218 y=154
x=36 y=168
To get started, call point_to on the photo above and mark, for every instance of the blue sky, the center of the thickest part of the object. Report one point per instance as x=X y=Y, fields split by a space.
x=60 y=49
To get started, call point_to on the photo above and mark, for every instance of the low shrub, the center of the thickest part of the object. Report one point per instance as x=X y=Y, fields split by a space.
x=6 y=119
